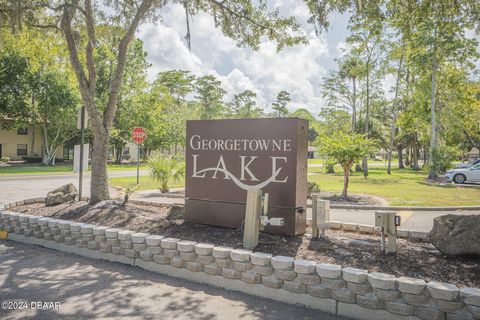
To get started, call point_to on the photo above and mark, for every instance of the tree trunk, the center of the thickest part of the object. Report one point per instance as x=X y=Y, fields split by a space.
x=346 y=173
x=400 y=156
x=99 y=183
x=432 y=174
x=367 y=118
x=354 y=106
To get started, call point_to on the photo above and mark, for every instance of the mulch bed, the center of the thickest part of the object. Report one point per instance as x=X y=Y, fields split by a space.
x=414 y=259
x=353 y=199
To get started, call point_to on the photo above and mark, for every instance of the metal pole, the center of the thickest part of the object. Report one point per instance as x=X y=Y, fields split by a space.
x=382 y=241
x=82 y=137
x=138 y=163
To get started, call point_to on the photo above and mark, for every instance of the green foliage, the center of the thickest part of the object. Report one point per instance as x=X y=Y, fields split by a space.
x=165 y=169
x=128 y=192
x=209 y=93
x=243 y=105
x=330 y=166
x=443 y=158
x=280 y=105
x=312 y=187
x=4 y=159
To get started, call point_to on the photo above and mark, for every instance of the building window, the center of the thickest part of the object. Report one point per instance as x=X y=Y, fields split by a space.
x=126 y=151
x=21 y=149
x=22 y=131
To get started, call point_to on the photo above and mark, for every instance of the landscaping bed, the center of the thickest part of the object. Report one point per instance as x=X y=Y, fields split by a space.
x=414 y=259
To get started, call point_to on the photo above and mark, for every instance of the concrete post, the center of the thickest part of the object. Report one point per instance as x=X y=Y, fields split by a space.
x=252 y=219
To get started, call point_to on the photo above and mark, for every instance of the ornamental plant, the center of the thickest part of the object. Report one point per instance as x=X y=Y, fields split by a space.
x=165 y=170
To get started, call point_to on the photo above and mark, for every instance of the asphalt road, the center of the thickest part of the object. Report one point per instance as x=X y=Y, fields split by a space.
x=23 y=186
x=87 y=289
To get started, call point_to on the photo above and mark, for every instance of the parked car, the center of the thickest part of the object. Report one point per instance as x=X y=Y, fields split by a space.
x=468 y=164
x=463 y=175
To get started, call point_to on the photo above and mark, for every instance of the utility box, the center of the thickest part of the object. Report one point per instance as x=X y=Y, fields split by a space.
x=320 y=215
x=386 y=220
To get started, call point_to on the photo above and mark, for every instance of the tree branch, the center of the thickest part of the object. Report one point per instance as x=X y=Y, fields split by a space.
x=90 y=47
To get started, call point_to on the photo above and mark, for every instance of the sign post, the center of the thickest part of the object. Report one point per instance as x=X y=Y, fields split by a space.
x=81 y=125
x=138 y=135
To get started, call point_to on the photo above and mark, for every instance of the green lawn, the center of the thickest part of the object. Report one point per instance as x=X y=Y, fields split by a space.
x=39 y=169
x=146 y=183
x=404 y=187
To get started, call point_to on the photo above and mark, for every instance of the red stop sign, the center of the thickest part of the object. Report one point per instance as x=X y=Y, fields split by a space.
x=139 y=135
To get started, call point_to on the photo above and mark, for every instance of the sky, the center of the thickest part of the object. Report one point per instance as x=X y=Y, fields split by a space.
x=298 y=70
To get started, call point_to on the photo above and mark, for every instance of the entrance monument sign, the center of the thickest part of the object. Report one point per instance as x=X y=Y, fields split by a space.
x=225 y=158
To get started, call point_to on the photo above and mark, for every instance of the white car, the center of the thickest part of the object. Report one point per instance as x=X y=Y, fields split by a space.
x=463 y=175
x=467 y=164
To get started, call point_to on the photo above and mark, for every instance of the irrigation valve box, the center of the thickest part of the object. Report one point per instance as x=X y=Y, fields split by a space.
x=388 y=222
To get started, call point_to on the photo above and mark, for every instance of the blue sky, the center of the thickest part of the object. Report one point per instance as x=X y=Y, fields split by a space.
x=299 y=69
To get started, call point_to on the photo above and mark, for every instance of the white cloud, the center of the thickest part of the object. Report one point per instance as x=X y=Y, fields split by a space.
x=298 y=69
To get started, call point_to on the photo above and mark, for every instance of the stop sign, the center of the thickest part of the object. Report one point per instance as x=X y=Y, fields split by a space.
x=139 y=135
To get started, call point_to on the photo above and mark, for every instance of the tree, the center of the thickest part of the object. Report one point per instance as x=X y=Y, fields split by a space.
x=352 y=68
x=243 y=21
x=346 y=149
x=243 y=105
x=210 y=93
x=280 y=105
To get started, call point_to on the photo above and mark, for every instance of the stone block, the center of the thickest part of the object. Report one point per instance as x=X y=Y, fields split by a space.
x=99 y=230
x=212 y=269
x=223 y=263
x=240 y=255
x=288 y=275
x=319 y=291
x=402 y=233
x=304 y=266
x=359 y=288
x=251 y=277
x=418 y=235
x=461 y=315
x=125 y=235
x=261 y=259
x=308 y=279
x=401 y=308
x=344 y=295
x=139 y=237
x=264 y=271
x=111 y=233
x=146 y=255
x=194 y=266
x=353 y=227
x=154 y=240
x=205 y=259
x=86 y=229
x=139 y=247
x=447 y=306
x=221 y=252
x=354 y=275
x=336 y=225
x=364 y=228
x=230 y=273
x=382 y=280
x=416 y=299
x=87 y=236
x=112 y=242
x=387 y=295
x=474 y=311
x=74 y=227
x=131 y=253
x=155 y=250
x=126 y=244
x=69 y=241
x=272 y=281
x=170 y=253
x=169 y=243
x=105 y=247
x=93 y=245
x=185 y=246
x=470 y=296
x=177 y=262
x=294 y=286
x=117 y=250
x=58 y=238
x=429 y=314
x=370 y=301
x=411 y=285
x=242 y=266
x=204 y=249
x=282 y=262
x=327 y=270
x=188 y=256
x=334 y=283
x=160 y=259
x=443 y=291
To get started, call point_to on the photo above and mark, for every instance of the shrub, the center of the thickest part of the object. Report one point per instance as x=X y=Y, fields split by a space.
x=165 y=169
x=330 y=166
x=129 y=191
x=312 y=187
x=32 y=159
x=443 y=158
x=4 y=159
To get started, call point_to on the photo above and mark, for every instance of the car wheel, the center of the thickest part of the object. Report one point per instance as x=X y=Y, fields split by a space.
x=459 y=178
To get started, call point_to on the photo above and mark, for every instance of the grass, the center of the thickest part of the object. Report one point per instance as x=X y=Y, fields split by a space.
x=61 y=168
x=146 y=183
x=404 y=187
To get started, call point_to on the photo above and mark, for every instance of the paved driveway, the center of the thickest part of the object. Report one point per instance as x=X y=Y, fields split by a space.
x=89 y=289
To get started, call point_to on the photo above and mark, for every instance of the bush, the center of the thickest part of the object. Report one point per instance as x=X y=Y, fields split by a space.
x=32 y=159
x=312 y=187
x=165 y=170
x=4 y=159
x=330 y=166
x=443 y=158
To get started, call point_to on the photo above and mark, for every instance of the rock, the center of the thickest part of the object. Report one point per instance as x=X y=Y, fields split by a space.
x=457 y=235
x=107 y=204
x=60 y=195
